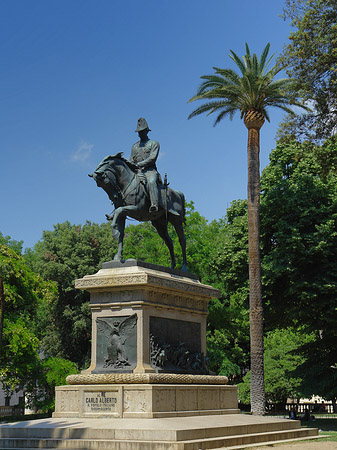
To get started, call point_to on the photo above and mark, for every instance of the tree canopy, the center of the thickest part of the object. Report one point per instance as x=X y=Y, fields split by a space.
x=299 y=241
x=282 y=358
x=26 y=298
x=310 y=58
x=63 y=255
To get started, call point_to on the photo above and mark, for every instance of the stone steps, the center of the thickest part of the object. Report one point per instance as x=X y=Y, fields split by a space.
x=244 y=440
x=187 y=433
x=101 y=444
x=269 y=443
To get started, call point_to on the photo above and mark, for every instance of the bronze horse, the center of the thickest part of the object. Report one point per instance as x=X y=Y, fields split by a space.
x=127 y=191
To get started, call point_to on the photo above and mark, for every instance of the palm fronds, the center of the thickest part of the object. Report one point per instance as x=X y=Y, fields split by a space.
x=256 y=89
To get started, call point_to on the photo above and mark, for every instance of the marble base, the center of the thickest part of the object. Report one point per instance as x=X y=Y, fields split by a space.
x=144 y=400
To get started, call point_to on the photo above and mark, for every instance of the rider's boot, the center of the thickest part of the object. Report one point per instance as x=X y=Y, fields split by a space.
x=153 y=191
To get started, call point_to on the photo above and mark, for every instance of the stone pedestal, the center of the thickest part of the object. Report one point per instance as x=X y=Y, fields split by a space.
x=147 y=318
x=148 y=348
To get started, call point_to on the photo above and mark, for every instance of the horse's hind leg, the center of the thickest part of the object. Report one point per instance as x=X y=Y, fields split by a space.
x=177 y=223
x=161 y=227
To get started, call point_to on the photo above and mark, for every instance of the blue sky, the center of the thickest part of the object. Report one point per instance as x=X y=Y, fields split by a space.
x=77 y=74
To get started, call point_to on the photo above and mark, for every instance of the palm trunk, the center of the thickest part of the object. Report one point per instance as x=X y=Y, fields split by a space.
x=255 y=293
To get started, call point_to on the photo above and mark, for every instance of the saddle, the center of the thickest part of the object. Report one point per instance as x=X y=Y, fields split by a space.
x=164 y=196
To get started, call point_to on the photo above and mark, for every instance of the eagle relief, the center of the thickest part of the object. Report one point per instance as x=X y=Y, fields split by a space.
x=116 y=343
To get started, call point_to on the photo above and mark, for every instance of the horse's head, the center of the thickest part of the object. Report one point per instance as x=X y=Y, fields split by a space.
x=105 y=177
x=109 y=175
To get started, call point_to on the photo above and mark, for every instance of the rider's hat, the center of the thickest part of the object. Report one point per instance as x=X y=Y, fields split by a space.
x=142 y=125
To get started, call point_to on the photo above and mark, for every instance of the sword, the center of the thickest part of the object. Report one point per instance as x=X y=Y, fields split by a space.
x=165 y=187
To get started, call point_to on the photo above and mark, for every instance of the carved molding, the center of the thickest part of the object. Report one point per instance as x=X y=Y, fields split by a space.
x=94 y=282
x=180 y=285
x=145 y=378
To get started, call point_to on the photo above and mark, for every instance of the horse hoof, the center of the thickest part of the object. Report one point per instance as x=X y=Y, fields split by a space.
x=184 y=268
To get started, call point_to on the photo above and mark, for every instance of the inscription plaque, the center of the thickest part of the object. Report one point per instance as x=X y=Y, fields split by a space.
x=100 y=402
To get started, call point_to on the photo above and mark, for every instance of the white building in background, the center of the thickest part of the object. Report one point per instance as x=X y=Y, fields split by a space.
x=14 y=400
x=9 y=405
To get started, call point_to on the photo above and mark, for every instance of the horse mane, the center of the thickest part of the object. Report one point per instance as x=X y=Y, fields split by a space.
x=120 y=156
x=107 y=160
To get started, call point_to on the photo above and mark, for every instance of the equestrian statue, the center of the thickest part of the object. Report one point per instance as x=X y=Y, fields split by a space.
x=136 y=190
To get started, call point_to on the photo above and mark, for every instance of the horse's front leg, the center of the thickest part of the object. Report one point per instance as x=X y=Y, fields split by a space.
x=118 y=227
x=114 y=217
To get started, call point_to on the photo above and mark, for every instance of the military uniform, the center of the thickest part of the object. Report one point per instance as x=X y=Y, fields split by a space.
x=144 y=154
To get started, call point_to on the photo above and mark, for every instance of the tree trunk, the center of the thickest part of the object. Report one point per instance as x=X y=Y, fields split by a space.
x=2 y=310
x=257 y=391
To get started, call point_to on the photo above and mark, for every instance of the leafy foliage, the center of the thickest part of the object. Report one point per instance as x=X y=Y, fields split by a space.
x=298 y=220
x=299 y=242
x=52 y=372
x=280 y=362
x=19 y=356
x=228 y=328
x=298 y=248
x=63 y=255
x=26 y=295
x=310 y=59
x=11 y=243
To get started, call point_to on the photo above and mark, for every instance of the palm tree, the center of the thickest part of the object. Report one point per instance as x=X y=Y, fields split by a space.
x=251 y=94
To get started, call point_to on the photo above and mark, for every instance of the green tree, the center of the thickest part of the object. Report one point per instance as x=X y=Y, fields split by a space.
x=11 y=243
x=25 y=297
x=298 y=250
x=63 y=255
x=251 y=94
x=52 y=372
x=228 y=320
x=298 y=211
x=311 y=59
x=281 y=359
x=19 y=357
x=299 y=241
